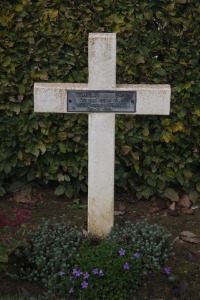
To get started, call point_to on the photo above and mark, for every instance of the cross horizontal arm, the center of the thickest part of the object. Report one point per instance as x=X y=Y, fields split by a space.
x=151 y=99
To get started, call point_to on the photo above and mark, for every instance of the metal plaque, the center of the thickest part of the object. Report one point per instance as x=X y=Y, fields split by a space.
x=101 y=101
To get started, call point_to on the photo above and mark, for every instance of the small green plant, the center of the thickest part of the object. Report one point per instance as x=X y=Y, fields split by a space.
x=150 y=239
x=52 y=248
x=11 y=233
x=8 y=243
x=105 y=270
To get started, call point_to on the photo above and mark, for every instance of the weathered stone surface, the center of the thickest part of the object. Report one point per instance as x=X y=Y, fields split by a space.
x=151 y=99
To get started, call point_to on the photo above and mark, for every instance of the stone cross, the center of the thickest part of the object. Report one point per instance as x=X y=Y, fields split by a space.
x=101 y=98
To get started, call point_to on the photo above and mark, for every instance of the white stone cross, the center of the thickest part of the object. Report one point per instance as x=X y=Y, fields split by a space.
x=56 y=98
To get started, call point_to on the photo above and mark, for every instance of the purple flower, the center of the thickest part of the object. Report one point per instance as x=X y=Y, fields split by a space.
x=126 y=266
x=71 y=291
x=95 y=271
x=61 y=273
x=137 y=255
x=167 y=270
x=101 y=273
x=84 y=285
x=77 y=273
x=74 y=271
x=86 y=275
x=122 y=252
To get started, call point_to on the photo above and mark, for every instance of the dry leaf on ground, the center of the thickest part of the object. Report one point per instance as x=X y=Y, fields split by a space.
x=195 y=207
x=119 y=212
x=193 y=240
x=172 y=206
x=122 y=206
x=17 y=197
x=85 y=233
x=154 y=209
x=187 y=211
x=188 y=234
x=184 y=201
x=189 y=255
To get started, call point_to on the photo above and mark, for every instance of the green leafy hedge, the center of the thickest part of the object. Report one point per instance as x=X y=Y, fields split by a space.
x=42 y=40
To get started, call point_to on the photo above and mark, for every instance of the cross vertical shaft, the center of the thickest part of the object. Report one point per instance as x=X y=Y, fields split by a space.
x=101 y=146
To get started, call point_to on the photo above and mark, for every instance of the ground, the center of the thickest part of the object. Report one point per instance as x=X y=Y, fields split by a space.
x=185 y=264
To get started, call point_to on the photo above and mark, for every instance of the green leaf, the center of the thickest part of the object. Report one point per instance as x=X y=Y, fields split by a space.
x=193 y=195
x=53 y=13
x=62 y=136
x=151 y=182
x=7 y=168
x=145 y=131
x=16 y=186
x=19 y=7
x=69 y=191
x=3 y=256
x=187 y=173
x=171 y=194
x=2 y=191
x=59 y=190
x=62 y=147
x=35 y=150
x=31 y=175
x=42 y=148
x=198 y=187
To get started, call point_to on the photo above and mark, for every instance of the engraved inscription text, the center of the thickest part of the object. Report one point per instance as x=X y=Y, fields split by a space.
x=101 y=101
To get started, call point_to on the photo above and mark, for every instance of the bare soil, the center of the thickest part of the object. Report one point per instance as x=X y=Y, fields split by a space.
x=185 y=264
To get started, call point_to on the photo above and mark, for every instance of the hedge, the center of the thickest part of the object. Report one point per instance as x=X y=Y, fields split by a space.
x=158 y=42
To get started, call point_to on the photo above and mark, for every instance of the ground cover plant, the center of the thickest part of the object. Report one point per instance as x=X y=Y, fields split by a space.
x=67 y=263
x=175 y=276
x=50 y=248
x=11 y=233
x=107 y=271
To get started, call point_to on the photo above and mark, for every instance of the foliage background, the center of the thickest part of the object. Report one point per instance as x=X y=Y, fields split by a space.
x=158 y=42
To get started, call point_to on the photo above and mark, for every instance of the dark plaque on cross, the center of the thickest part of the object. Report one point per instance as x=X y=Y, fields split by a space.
x=101 y=101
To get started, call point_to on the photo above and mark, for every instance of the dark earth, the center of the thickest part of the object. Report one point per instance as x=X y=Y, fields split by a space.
x=185 y=264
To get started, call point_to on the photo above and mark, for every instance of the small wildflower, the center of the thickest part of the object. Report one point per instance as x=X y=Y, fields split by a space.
x=78 y=273
x=122 y=252
x=71 y=291
x=126 y=266
x=74 y=271
x=95 y=271
x=84 y=285
x=86 y=275
x=137 y=255
x=167 y=270
x=101 y=273
x=61 y=273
